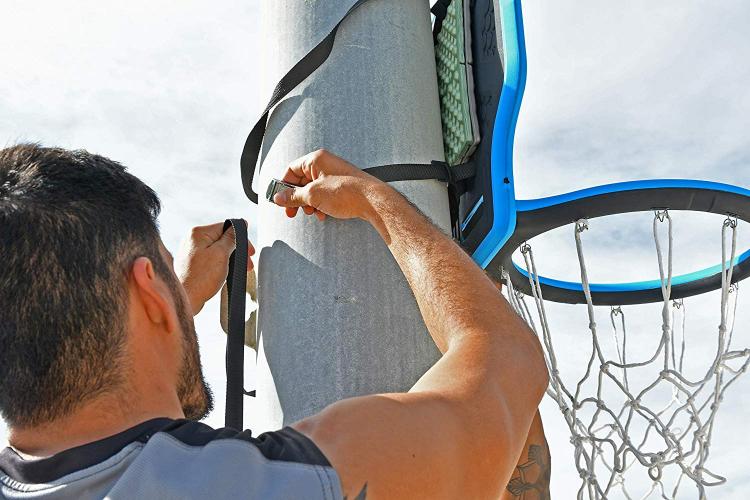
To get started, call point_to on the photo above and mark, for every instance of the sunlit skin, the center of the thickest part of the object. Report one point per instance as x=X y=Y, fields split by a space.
x=460 y=430
x=154 y=348
x=457 y=433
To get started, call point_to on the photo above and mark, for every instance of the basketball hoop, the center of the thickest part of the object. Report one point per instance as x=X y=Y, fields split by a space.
x=615 y=427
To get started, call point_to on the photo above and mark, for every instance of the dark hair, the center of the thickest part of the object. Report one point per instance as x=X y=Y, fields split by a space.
x=71 y=224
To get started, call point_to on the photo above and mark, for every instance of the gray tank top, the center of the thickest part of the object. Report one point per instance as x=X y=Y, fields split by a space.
x=176 y=459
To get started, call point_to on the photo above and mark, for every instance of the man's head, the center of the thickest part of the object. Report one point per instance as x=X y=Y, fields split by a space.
x=74 y=230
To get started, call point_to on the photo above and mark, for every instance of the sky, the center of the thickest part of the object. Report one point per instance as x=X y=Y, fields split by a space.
x=615 y=91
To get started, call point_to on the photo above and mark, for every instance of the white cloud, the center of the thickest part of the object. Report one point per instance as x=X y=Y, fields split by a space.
x=620 y=91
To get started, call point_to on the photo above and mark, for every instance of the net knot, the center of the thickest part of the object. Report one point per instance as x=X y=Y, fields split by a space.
x=654 y=472
x=657 y=462
x=661 y=215
x=586 y=475
x=577 y=441
x=730 y=221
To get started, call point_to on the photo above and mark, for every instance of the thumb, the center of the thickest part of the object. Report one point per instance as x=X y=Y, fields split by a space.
x=292 y=197
x=227 y=240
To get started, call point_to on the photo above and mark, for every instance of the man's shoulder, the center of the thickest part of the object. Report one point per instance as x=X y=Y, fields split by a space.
x=286 y=445
x=208 y=462
x=167 y=458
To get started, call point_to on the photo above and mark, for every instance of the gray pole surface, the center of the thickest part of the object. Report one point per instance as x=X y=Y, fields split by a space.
x=336 y=317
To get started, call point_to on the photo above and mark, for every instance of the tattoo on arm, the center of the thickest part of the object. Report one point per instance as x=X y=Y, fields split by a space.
x=531 y=479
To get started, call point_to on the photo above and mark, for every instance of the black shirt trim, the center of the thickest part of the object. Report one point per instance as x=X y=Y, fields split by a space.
x=285 y=445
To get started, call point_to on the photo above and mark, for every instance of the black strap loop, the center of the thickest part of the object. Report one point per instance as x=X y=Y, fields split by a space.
x=235 y=353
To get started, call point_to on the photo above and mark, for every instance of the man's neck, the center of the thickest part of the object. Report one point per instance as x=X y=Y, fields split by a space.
x=98 y=419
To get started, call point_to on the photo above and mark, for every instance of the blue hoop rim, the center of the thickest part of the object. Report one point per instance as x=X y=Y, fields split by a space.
x=535 y=217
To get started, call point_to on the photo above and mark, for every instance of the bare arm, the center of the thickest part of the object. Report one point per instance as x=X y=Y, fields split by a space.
x=459 y=431
x=531 y=477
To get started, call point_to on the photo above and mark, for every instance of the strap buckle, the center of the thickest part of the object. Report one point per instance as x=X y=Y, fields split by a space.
x=449 y=177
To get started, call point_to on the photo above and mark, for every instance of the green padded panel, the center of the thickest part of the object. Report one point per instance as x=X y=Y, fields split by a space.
x=456 y=84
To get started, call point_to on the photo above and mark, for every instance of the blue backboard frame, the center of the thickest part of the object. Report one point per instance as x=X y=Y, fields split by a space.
x=493 y=223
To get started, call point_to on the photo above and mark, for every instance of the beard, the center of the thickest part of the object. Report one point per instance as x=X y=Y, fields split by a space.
x=193 y=391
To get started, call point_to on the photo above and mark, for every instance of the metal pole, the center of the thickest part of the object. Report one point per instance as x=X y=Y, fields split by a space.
x=336 y=317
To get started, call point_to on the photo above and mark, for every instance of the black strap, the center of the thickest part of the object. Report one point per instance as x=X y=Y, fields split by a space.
x=452 y=175
x=439 y=10
x=304 y=68
x=235 y=354
x=438 y=170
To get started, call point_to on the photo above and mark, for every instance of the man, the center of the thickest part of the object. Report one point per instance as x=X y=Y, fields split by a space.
x=100 y=377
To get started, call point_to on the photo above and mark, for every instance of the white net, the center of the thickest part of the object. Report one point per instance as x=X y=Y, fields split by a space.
x=649 y=413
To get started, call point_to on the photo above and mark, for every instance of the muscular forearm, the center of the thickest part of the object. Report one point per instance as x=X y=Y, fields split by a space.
x=454 y=295
x=492 y=370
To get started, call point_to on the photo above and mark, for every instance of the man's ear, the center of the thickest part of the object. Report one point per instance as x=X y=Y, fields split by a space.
x=154 y=294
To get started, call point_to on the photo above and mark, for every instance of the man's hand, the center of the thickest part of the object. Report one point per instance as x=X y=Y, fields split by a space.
x=329 y=186
x=203 y=262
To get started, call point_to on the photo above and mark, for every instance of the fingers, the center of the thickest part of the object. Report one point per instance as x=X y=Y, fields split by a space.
x=214 y=230
x=302 y=170
x=227 y=243
x=297 y=197
x=293 y=178
x=227 y=240
x=206 y=235
x=291 y=212
x=294 y=199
